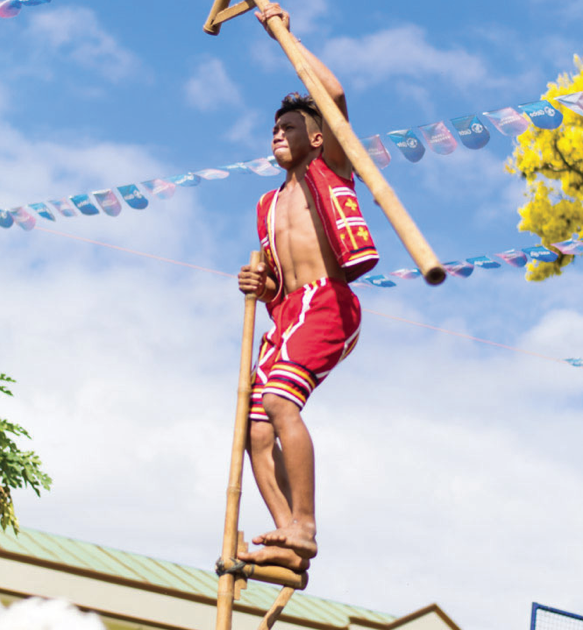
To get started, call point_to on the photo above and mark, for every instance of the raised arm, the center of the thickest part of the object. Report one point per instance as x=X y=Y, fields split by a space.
x=332 y=152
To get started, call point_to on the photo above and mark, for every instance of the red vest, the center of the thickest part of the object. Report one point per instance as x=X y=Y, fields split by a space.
x=343 y=223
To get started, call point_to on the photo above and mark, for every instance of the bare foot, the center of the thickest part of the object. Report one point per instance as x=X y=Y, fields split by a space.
x=300 y=538
x=276 y=555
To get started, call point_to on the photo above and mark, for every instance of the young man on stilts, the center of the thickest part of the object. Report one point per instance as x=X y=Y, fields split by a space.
x=315 y=241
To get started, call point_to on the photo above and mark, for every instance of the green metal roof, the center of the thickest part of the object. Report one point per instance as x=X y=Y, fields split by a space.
x=143 y=572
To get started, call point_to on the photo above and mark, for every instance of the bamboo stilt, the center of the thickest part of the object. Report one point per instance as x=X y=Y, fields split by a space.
x=275 y=611
x=271 y=574
x=226 y=588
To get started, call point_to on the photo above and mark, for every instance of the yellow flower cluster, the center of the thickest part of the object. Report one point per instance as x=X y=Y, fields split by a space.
x=551 y=162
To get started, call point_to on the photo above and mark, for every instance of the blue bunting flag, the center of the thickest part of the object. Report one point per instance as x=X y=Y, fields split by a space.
x=408 y=143
x=379 y=280
x=6 y=219
x=132 y=195
x=43 y=210
x=543 y=114
x=186 y=179
x=84 y=205
x=471 y=131
x=484 y=262
x=540 y=252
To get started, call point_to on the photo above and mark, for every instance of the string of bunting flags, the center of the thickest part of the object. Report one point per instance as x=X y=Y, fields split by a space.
x=11 y=8
x=464 y=268
x=471 y=131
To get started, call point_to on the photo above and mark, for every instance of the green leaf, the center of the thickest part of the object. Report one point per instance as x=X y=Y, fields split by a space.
x=18 y=468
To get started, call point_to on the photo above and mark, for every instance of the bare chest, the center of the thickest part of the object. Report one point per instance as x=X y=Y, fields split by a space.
x=296 y=213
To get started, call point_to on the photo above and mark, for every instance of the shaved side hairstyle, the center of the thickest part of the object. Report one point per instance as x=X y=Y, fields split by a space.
x=295 y=102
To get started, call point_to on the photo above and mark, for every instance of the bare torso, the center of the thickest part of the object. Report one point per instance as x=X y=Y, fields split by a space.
x=302 y=247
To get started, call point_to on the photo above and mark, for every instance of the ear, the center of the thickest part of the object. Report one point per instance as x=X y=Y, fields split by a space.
x=316 y=139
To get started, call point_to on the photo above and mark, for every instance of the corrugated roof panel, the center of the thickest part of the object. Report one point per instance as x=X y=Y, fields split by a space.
x=161 y=573
x=142 y=568
x=94 y=557
x=259 y=595
x=320 y=610
x=57 y=549
x=204 y=581
x=27 y=543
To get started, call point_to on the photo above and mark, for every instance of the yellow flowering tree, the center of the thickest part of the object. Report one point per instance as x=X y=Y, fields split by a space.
x=551 y=162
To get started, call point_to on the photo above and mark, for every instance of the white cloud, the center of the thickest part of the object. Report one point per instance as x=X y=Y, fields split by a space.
x=77 y=35
x=477 y=176
x=569 y=9
x=210 y=87
x=560 y=331
x=432 y=457
x=453 y=469
x=248 y=131
x=404 y=52
x=306 y=16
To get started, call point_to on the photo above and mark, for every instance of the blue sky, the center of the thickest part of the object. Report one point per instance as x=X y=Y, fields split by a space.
x=448 y=464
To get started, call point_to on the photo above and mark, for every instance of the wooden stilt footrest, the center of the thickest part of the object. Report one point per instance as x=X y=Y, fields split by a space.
x=271 y=574
x=222 y=12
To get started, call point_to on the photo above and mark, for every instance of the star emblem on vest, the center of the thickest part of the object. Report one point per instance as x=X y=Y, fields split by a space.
x=363 y=233
x=351 y=204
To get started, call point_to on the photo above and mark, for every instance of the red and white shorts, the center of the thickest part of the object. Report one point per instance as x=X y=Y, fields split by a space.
x=315 y=327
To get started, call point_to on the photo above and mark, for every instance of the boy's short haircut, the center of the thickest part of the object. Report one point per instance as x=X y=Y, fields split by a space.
x=294 y=102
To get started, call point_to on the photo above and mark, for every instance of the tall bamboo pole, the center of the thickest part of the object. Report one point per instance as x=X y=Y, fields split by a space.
x=384 y=195
x=227 y=581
